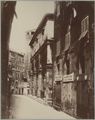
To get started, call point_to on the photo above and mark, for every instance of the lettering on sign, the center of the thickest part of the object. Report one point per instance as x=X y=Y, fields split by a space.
x=68 y=78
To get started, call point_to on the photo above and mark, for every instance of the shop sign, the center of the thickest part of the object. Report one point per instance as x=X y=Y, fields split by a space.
x=58 y=78
x=68 y=78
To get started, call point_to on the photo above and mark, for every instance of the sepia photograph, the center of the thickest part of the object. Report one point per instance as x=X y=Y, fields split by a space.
x=47 y=59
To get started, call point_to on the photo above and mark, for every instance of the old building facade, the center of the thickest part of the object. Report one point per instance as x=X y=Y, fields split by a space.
x=27 y=56
x=16 y=67
x=62 y=67
x=41 y=60
x=73 y=58
x=27 y=59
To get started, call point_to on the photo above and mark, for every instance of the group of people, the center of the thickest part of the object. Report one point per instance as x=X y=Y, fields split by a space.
x=20 y=89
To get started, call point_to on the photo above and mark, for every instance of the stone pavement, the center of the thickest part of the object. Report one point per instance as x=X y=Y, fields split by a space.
x=30 y=107
x=40 y=100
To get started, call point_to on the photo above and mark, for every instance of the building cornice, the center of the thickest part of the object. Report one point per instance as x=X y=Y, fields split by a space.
x=47 y=17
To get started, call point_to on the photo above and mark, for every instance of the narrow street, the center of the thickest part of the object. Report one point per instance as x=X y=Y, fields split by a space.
x=24 y=107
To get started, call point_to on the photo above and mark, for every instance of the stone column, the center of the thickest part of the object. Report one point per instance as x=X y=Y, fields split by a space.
x=40 y=82
x=40 y=85
x=49 y=84
x=34 y=83
x=49 y=54
x=49 y=74
x=34 y=77
x=31 y=87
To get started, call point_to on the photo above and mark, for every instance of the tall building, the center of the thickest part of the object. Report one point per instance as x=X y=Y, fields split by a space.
x=74 y=58
x=41 y=59
x=28 y=54
x=16 y=67
x=27 y=57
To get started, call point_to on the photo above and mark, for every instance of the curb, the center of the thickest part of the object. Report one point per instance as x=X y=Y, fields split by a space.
x=38 y=100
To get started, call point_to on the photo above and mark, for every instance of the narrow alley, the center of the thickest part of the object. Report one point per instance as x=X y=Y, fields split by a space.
x=47 y=59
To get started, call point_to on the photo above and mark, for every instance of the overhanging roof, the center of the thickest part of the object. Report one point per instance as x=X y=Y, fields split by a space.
x=47 y=17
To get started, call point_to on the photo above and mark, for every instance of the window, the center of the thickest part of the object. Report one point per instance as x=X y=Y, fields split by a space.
x=85 y=24
x=84 y=31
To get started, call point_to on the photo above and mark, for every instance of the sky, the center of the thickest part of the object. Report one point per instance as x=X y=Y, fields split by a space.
x=29 y=15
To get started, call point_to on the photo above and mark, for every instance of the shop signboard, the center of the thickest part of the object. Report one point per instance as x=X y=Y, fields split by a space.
x=68 y=78
x=58 y=77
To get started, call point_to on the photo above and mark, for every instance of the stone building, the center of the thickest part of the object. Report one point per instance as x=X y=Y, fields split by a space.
x=41 y=59
x=73 y=58
x=16 y=67
x=27 y=56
